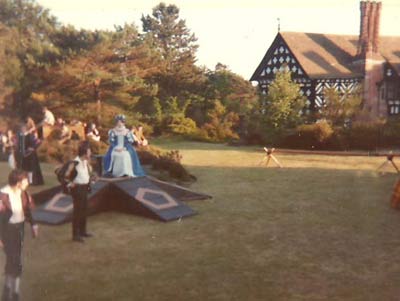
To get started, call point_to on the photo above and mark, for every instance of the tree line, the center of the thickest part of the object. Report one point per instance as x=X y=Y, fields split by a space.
x=148 y=74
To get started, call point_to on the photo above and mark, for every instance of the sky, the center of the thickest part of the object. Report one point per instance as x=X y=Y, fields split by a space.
x=236 y=33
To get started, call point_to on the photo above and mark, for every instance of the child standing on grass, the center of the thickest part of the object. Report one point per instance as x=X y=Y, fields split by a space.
x=15 y=208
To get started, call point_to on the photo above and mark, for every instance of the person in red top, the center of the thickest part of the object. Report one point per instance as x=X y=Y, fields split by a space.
x=15 y=209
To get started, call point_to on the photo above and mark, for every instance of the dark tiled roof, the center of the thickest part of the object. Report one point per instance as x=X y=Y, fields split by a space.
x=324 y=55
x=332 y=56
x=390 y=50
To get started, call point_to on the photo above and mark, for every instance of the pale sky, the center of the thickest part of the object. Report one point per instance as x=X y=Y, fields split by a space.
x=235 y=33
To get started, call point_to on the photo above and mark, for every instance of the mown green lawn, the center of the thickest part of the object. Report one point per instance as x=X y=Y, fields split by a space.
x=321 y=228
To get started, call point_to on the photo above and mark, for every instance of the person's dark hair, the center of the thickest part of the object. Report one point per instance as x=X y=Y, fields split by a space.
x=16 y=176
x=120 y=117
x=83 y=148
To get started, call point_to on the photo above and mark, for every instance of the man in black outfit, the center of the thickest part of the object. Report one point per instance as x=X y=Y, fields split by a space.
x=78 y=174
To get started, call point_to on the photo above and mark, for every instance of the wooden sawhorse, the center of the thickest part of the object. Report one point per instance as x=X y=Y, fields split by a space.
x=389 y=160
x=268 y=156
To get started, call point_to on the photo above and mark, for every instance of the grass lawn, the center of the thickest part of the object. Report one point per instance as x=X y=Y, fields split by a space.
x=318 y=229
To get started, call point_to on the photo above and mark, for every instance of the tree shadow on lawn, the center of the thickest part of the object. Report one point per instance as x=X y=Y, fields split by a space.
x=193 y=145
x=318 y=233
x=267 y=234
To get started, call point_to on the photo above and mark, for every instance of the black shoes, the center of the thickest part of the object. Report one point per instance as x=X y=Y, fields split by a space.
x=77 y=239
x=87 y=235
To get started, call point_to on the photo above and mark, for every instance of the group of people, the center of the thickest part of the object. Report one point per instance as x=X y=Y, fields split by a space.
x=16 y=204
x=20 y=149
x=50 y=122
x=90 y=130
x=121 y=160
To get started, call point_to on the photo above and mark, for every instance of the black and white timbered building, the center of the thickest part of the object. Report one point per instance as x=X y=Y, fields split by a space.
x=367 y=63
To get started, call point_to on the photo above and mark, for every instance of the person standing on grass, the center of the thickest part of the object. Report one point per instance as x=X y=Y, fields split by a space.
x=28 y=160
x=78 y=176
x=15 y=209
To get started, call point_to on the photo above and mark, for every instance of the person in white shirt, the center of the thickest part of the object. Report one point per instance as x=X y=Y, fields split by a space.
x=15 y=209
x=79 y=186
x=48 y=117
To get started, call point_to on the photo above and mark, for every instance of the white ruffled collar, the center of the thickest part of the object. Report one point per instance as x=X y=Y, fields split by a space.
x=120 y=130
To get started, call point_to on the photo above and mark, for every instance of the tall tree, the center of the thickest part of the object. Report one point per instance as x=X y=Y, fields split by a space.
x=220 y=124
x=340 y=108
x=170 y=34
x=234 y=92
x=32 y=26
x=106 y=79
x=10 y=70
x=177 y=45
x=71 y=41
x=284 y=102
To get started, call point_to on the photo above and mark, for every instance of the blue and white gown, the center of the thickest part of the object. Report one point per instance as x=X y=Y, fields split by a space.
x=121 y=158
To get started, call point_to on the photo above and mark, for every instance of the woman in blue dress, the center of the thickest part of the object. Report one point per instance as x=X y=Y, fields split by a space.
x=121 y=158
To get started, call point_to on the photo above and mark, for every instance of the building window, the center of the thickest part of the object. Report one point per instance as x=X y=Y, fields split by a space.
x=390 y=92
x=394 y=107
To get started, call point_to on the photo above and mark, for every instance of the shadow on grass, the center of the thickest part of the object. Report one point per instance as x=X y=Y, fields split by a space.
x=267 y=234
x=193 y=145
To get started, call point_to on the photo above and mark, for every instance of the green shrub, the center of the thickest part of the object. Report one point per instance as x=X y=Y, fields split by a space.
x=364 y=135
x=53 y=152
x=164 y=161
x=309 y=136
x=180 y=125
x=219 y=130
x=55 y=134
x=390 y=135
x=98 y=147
x=360 y=136
x=148 y=154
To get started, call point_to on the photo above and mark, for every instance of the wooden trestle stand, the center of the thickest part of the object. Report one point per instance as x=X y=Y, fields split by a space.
x=389 y=160
x=268 y=156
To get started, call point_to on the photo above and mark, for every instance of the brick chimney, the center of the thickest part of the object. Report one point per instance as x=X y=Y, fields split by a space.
x=377 y=25
x=368 y=58
x=368 y=43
